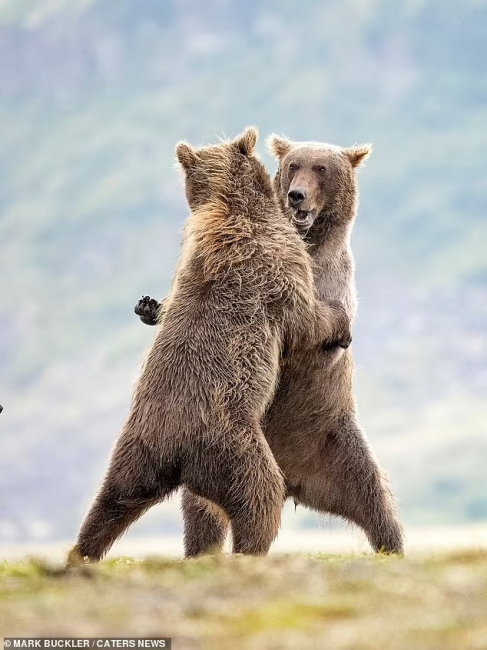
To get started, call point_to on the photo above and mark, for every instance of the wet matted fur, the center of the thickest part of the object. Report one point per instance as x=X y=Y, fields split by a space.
x=311 y=425
x=243 y=289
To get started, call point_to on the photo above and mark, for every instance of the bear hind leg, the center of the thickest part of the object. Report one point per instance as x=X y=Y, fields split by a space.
x=352 y=485
x=205 y=525
x=134 y=482
x=244 y=480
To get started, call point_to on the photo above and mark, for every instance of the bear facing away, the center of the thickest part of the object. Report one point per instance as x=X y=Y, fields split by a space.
x=242 y=289
x=311 y=425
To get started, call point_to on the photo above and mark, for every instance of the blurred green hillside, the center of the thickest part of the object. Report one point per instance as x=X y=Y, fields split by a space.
x=93 y=96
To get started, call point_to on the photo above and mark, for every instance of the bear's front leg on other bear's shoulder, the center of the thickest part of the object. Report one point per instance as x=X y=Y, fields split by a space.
x=148 y=310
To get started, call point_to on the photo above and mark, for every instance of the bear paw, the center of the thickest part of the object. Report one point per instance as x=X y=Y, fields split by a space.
x=147 y=309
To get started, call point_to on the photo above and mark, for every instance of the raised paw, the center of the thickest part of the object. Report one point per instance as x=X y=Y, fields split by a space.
x=147 y=309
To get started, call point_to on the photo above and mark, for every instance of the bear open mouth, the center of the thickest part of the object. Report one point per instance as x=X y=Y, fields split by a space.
x=303 y=218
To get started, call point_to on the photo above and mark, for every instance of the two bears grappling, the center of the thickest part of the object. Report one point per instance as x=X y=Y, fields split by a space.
x=245 y=397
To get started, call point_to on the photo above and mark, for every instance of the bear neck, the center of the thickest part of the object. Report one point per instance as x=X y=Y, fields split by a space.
x=330 y=234
x=334 y=269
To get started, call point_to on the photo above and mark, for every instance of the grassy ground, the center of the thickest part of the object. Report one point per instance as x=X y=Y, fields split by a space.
x=277 y=602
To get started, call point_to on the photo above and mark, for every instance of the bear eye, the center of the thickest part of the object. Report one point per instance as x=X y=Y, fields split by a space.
x=293 y=167
x=322 y=169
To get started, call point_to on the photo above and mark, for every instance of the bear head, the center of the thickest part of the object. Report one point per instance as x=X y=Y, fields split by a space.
x=315 y=182
x=227 y=171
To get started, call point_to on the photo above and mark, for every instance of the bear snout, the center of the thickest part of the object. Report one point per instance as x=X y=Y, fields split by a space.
x=296 y=197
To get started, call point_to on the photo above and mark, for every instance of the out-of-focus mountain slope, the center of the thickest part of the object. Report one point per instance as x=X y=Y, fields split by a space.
x=94 y=95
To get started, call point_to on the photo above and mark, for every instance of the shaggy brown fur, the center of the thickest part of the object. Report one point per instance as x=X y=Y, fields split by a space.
x=244 y=285
x=311 y=426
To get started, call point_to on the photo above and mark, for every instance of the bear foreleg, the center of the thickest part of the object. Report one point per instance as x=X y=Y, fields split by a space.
x=331 y=327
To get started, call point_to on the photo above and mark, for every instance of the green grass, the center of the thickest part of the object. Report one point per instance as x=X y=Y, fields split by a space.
x=294 y=601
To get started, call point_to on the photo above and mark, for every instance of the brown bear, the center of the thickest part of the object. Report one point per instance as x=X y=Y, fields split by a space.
x=311 y=425
x=243 y=289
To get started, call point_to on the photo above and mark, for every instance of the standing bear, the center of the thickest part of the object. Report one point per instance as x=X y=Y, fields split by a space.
x=243 y=289
x=311 y=425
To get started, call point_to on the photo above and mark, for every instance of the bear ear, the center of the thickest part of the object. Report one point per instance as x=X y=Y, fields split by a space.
x=358 y=155
x=186 y=155
x=277 y=146
x=247 y=140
